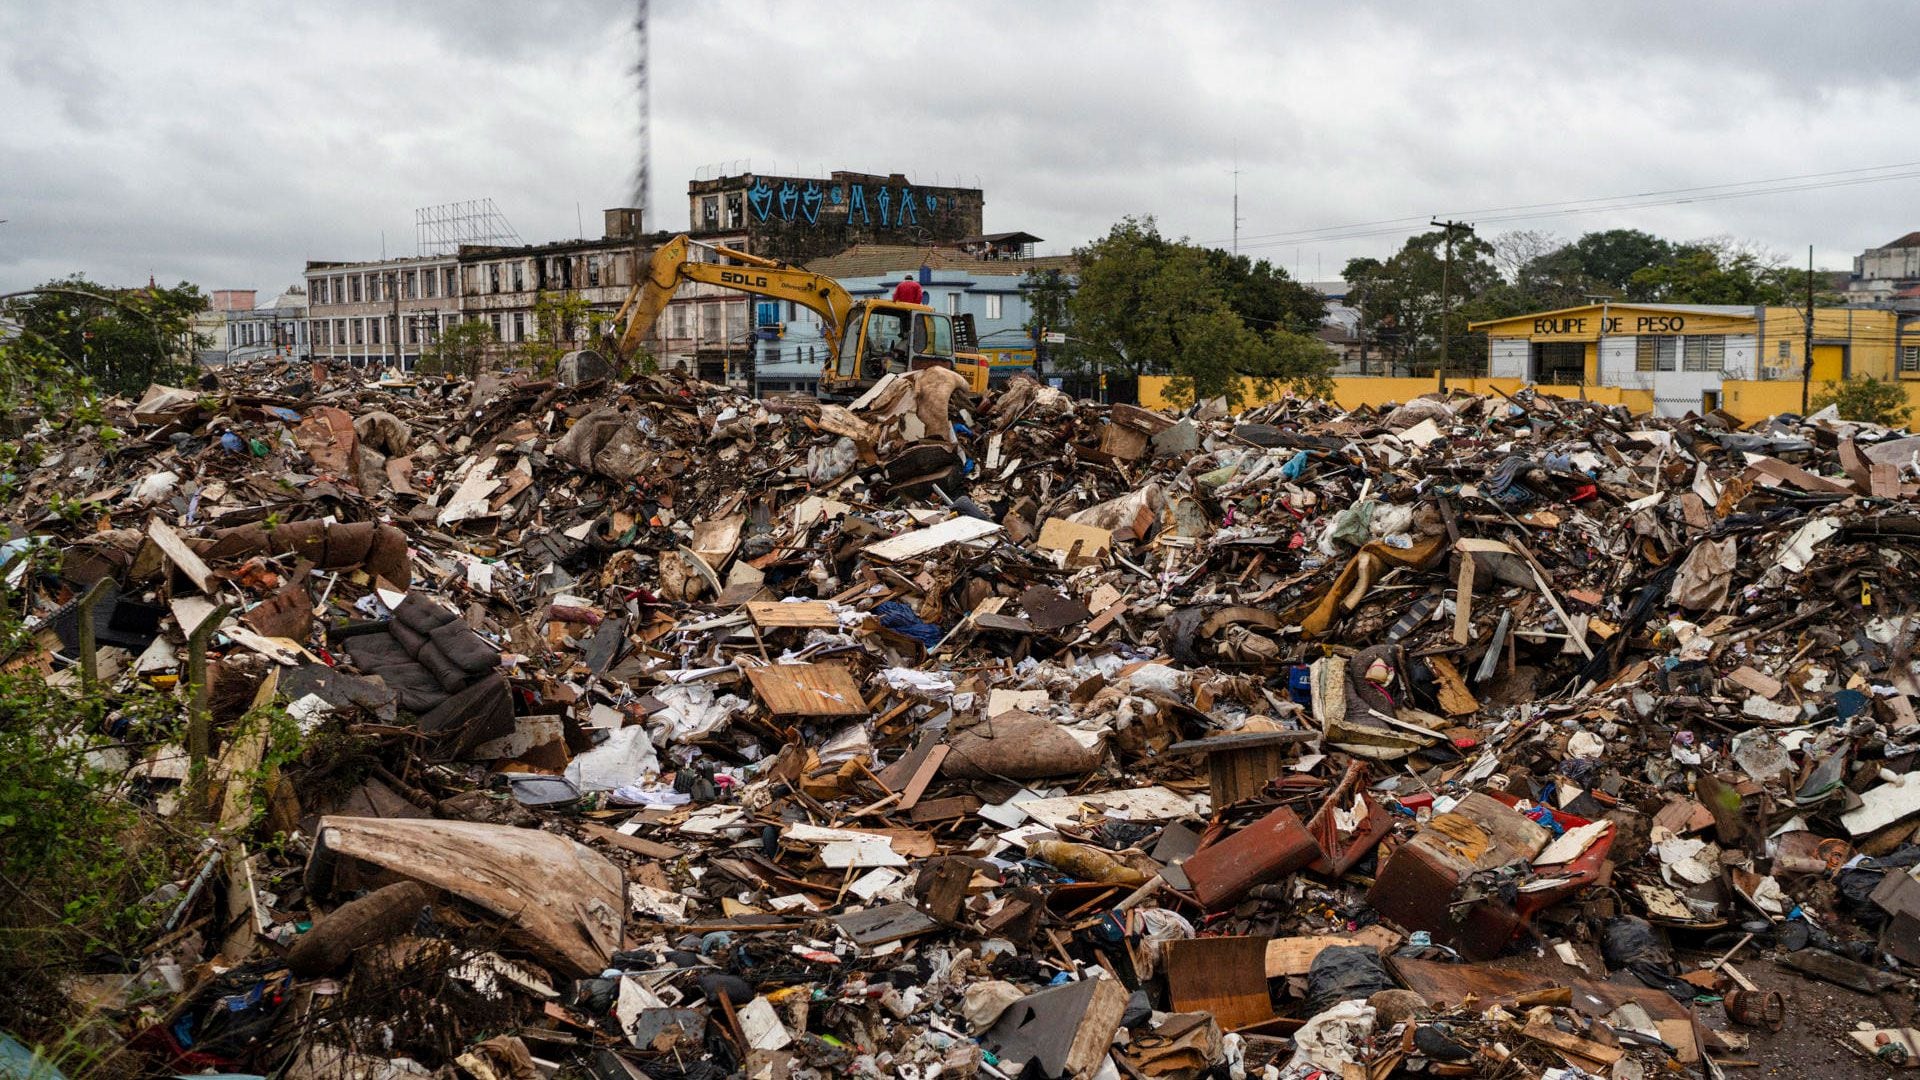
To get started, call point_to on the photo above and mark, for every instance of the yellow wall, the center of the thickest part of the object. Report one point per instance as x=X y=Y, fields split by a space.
x=1869 y=334
x=1752 y=401
x=1355 y=391
x=1747 y=399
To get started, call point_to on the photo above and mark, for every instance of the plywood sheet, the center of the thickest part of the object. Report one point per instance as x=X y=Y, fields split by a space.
x=1059 y=534
x=811 y=614
x=1225 y=976
x=807 y=690
x=1294 y=955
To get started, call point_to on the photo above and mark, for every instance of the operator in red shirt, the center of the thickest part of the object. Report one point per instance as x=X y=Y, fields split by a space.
x=909 y=291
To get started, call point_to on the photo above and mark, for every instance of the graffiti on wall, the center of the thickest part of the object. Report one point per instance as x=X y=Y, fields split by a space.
x=791 y=201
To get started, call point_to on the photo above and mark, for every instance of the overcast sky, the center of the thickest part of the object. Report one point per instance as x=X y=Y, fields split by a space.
x=226 y=144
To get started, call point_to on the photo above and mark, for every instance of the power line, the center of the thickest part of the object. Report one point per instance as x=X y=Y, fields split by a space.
x=1359 y=234
x=1662 y=197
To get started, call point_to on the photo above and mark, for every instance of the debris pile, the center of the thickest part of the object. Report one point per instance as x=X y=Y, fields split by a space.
x=640 y=728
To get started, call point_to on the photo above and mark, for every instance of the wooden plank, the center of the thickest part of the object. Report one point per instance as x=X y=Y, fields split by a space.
x=1758 y=682
x=807 y=690
x=1463 y=601
x=1294 y=955
x=891 y=922
x=1455 y=698
x=638 y=845
x=809 y=614
x=182 y=556
x=1585 y=1049
x=948 y=809
x=1078 y=541
x=909 y=545
x=922 y=776
x=1225 y=976
x=912 y=843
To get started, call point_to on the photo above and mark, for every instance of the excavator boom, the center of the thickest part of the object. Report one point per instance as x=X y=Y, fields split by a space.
x=864 y=339
x=671 y=265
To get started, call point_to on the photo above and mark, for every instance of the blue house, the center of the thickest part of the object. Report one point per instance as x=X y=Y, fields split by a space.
x=984 y=277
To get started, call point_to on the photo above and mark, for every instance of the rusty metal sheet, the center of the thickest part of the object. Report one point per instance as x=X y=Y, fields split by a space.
x=1274 y=845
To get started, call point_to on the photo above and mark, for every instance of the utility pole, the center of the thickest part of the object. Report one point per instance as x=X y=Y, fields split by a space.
x=1446 y=284
x=1806 y=369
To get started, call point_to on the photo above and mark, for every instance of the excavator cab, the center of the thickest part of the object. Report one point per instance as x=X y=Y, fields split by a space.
x=884 y=336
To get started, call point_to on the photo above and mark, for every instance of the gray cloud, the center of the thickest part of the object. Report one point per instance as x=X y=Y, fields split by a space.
x=229 y=143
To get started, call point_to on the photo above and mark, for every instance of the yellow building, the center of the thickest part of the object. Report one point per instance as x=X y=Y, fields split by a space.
x=1695 y=357
x=1669 y=359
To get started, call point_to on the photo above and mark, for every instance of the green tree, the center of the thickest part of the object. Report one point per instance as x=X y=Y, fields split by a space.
x=1048 y=293
x=1147 y=305
x=118 y=340
x=1399 y=300
x=461 y=350
x=1722 y=271
x=1264 y=296
x=1868 y=401
x=559 y=318
x=1612 y=257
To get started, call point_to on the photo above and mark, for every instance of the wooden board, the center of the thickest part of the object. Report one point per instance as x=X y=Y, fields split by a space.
x=639 y=845
x=891 y=922
x=807 y=690
x=1455 y=698
x=182 y=556
x=1294 y=955
x=809 y=614
x=947 y=809
x=1585 y=1049
x=909 y=545
x=1059 y=534
x=922 y=776
x=1225 y=976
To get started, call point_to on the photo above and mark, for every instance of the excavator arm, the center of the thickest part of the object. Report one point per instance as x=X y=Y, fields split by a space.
x=671 y=265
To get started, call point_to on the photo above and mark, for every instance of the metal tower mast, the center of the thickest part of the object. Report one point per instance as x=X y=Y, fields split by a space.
x=644 y=175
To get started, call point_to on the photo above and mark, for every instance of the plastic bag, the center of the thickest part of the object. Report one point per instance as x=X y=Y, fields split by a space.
x=1346 y=973
x=1632 y=943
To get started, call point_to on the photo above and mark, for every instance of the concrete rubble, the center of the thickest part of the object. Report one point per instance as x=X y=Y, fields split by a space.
x=672 y=733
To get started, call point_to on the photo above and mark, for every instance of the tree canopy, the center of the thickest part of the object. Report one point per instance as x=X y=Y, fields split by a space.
x=1527 y=271
x=460 y=350
x=1150 y=305
x=116 y=340
x=1399 y=300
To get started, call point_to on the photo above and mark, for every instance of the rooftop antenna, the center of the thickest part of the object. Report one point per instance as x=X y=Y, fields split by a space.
x=1236 y=199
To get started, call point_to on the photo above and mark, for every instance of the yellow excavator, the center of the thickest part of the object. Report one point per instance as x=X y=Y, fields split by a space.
x=866 y=339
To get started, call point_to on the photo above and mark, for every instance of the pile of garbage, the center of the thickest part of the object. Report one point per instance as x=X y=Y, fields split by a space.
x=642 y=728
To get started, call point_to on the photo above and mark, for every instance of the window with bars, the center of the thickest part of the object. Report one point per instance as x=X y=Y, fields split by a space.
x=1704 y=353
x=1910 y=358
x=1656 y=353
